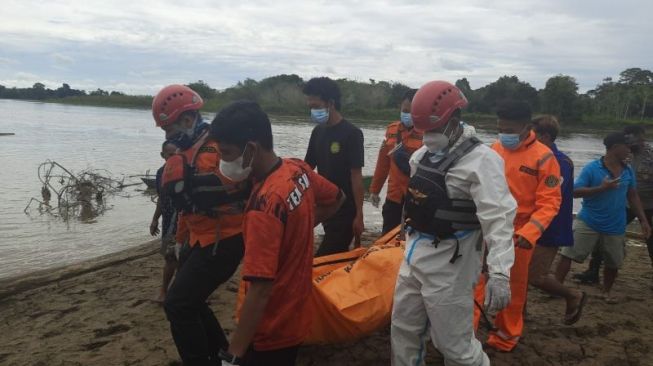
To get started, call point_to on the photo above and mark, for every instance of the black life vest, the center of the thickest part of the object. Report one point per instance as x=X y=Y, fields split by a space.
x=195 y=192
x=428 y=207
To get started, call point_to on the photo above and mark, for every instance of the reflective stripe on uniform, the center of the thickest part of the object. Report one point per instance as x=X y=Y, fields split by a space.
x=501 y=334
x=537 y=224
x=543 y=159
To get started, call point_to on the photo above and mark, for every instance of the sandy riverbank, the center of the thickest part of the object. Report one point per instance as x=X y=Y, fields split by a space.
x=99 y=313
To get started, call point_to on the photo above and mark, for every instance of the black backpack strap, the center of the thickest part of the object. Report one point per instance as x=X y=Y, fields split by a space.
x=460 y=151
x=197 y=146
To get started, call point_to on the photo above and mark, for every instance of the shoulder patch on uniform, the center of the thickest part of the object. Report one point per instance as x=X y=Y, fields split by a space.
x=551 y=181
x=207 y=149
x=335 y=147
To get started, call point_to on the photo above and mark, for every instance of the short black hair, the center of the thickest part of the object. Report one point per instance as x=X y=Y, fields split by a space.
x=515 y=110
x=325 y=88
x=614 y=139
x=634 y=130
x=167 y=142
x=240 y=122
x=547 y=124
x=409 y=94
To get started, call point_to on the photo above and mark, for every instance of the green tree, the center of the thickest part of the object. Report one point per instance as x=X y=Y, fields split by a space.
x=203 y=89
x=38 y=91
x=464 y=87
x=506 y=87
x=560 y=98
x=99 y=92
x=638 y=87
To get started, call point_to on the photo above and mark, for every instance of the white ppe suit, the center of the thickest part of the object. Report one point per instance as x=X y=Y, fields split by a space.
x=434 y=297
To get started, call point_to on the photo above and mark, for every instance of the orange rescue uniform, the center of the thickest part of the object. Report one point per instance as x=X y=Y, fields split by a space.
x=278 y=234
x=533 y=176
x=386 y=166
x=202 y=229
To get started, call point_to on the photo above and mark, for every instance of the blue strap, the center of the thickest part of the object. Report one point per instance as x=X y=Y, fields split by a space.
x=411 y=246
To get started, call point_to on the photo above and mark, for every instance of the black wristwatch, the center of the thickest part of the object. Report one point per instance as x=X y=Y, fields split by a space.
x=226 y=356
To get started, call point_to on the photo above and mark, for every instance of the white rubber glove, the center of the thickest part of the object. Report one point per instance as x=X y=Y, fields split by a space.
x=497 y=293
x=375 y=199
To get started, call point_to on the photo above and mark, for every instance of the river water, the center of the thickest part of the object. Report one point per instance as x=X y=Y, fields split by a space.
x=125 y=143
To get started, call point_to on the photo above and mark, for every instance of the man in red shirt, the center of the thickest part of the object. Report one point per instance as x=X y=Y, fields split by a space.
x=288 y=199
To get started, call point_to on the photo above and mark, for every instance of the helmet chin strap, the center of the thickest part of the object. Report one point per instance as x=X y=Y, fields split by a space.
x=455 y=134
x=190 y=132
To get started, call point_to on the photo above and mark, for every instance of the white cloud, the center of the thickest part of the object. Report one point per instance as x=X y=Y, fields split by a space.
x=62 y=59
x=6 y=61
x=141 y=44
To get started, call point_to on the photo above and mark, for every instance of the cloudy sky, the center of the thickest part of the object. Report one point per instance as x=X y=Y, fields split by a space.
x=139 y=46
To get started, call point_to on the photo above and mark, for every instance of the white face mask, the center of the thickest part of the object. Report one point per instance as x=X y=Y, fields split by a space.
x=234 y=169
x=436 y=141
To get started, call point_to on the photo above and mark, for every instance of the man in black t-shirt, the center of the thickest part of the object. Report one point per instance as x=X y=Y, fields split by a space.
x=336 y=149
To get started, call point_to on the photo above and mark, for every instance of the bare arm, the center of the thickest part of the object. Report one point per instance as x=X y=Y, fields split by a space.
x=382 y=169
x=590 y=191
x=154 y=225
x=252 y=311
x=358 y=191
x=636 y=206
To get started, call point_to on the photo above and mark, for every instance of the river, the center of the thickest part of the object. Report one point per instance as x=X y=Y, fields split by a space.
x=124 y=142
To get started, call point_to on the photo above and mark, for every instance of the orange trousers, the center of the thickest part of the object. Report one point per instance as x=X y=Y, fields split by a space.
x=509 y=321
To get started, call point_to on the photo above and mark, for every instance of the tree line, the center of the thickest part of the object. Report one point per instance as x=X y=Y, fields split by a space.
x=627 y=98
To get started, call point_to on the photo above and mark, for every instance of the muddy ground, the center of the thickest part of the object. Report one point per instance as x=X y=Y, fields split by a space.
x=105 y=317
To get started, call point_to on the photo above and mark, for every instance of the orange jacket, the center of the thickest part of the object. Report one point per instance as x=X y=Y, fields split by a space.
x=385 y=165
x=203 y=229
x=533 y=175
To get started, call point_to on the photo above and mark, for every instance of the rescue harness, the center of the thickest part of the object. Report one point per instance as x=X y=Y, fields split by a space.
x=428 y=207
x=199 y=193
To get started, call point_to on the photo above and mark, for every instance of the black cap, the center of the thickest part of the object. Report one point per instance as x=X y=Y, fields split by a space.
x=616 y=138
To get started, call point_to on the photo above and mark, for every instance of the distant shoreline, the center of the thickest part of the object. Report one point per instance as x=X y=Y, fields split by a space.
x=376 y=117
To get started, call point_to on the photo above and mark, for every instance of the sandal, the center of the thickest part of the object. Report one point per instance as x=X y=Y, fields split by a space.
x=575 y=315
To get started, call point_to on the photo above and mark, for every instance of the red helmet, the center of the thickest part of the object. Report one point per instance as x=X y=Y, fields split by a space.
x=434 y=103
x=172 y=101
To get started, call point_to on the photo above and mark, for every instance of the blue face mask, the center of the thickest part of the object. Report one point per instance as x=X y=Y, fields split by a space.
x=406 y=119
x=319 y=115
x=509 y=140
